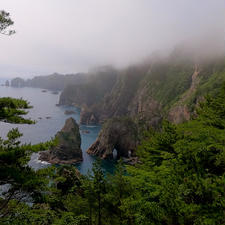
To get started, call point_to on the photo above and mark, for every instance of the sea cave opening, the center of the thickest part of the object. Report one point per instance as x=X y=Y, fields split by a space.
x=115 y=154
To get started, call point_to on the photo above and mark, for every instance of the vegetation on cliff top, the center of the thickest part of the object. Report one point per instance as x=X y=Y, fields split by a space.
x=165 y=83
x=180 y=180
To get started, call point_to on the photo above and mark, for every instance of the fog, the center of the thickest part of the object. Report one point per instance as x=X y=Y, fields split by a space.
x=74 y=35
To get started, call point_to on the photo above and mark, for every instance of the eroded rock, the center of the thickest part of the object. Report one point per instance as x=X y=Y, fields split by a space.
x=68 y=150
x=118 y=133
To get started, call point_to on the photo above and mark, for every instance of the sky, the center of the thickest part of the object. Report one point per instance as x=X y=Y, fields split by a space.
x=69 y=36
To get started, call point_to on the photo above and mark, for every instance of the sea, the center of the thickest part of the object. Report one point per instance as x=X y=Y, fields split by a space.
x=50 y=119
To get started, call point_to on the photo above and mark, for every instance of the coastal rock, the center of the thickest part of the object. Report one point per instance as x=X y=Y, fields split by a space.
x=68 y=149
x=118 y=133
x=18 y=82
x=7 y=83
x=88 y=117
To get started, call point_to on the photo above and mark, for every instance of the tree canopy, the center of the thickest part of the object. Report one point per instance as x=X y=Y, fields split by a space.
x=5 y=23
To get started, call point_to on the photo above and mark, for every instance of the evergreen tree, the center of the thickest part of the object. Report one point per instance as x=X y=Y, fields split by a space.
x=5 y=22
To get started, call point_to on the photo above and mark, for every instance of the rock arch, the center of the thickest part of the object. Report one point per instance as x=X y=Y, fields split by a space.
x=119 y=134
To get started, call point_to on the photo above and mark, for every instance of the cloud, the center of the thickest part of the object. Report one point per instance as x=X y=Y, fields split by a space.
x=74 y=35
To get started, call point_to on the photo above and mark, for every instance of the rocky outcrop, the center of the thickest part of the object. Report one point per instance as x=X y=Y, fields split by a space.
x=67 y=150
x=145 y=108
x=116 y=101
x=18 y=82
x=7 y=83
x=118 y=133
x=179 y=114
x=88 y=116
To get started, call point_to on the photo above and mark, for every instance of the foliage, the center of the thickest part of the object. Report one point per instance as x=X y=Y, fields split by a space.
x=180 y=180
x=182 y=174
x=5 y=22
x=12 y=110
x=20 y=181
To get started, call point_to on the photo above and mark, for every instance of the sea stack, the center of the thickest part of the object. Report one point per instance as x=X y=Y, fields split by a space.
x=117 y=133
x=67 y=150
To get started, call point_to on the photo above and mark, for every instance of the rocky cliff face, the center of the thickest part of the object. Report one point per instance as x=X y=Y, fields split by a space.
x=167 y=87
x=118 y=133
x=18 y=82
x=98 y=83
x=179 y=112
x=68 y=150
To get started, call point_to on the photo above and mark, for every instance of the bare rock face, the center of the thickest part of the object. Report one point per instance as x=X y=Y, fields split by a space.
x=118 y=133
x=179 y=114
x=68 y=149
x=88 y=116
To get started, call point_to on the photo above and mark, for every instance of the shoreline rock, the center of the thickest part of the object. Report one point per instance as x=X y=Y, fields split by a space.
x=68 y=150
x=118 y=133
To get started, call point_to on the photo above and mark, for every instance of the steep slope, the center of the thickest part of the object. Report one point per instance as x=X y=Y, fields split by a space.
x=99 y=82
x=119 y=134
x=168 y=87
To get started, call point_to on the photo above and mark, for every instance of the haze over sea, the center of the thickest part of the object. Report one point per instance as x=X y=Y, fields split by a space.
x=44 y=105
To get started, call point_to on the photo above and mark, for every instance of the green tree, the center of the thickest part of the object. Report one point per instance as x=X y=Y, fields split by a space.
x=20 y=179
x=98 y=188
x=5 y=23
x=181 y=179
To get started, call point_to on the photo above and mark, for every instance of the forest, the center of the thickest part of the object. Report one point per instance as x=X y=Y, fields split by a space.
x=179 y=179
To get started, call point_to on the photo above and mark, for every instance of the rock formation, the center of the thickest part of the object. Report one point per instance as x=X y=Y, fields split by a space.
x=118 y=133
x=7 y=83
x=88 y=117
x=169 y=88
x=18 y=82
x=68 y=149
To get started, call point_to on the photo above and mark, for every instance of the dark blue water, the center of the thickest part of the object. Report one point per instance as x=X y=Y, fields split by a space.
x=44 y=105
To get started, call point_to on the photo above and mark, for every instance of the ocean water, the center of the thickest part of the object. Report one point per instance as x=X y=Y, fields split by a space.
x=44 y=106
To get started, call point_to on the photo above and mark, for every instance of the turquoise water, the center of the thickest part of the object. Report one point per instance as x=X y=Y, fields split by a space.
x=44 y=105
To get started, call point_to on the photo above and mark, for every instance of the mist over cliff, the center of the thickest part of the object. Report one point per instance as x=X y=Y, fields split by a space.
x=74 y=36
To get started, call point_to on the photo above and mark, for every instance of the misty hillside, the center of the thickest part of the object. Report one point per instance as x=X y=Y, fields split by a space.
x=168 y=87
x=52 y=82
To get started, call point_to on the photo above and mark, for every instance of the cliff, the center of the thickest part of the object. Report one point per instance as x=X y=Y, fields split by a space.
x=51 y=82
x=119 y=134
x=68 y=149
x=98 y=82
x=168 y=87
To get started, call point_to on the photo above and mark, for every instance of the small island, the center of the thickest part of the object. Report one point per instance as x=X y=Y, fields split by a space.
x=68 y=150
